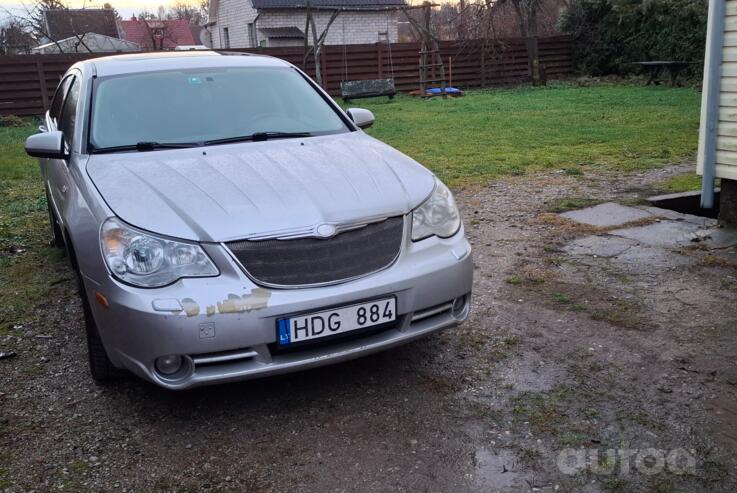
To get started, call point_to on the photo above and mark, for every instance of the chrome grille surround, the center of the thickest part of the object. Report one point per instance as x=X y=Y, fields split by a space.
x=310 y=261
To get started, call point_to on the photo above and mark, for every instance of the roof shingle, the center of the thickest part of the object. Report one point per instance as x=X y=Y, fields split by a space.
x=65 y=23
x=160 y=34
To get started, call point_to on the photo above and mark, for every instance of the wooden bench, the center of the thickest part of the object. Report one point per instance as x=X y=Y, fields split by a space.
x=357 y=89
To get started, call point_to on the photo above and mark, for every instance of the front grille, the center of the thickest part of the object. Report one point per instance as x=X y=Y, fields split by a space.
x=307 y=261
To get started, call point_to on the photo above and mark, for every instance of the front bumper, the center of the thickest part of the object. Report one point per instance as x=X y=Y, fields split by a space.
x=226 y=327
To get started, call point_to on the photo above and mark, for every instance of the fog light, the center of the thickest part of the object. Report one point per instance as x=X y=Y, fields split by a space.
x=459 y=306
x=169 y=365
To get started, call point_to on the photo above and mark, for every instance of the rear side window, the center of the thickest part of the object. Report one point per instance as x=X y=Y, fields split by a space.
x=69 y=112
x=56 y=103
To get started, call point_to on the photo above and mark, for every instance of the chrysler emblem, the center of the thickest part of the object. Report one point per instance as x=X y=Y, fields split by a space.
x=325 y=230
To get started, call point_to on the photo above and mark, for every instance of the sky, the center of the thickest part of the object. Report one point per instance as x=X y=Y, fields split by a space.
x=126 y=8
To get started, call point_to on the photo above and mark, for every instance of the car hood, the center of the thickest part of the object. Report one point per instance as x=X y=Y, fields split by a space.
x=259 y=189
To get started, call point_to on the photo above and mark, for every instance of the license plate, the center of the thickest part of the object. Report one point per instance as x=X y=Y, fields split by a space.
x=340 y=320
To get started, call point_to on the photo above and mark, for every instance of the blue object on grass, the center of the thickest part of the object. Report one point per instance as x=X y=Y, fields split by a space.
x=448 y=90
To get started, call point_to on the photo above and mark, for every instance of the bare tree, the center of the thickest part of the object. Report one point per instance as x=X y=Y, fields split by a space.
x=475 y=23
x=204 y=10
x=471 y=23
x=489 y=42
x=480 y=18
x=445 y=21
x=14 y=38
x=146 y=15
x=527 y=11
x=109 y=6
x=29 y=17
x=318 y=40
x=194 y=12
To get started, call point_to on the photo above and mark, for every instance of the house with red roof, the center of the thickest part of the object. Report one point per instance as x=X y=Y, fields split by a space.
x=156 y=34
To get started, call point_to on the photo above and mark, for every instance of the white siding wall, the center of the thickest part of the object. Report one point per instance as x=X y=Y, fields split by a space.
x=234 y=15
x=726 y=152
x=355 y=27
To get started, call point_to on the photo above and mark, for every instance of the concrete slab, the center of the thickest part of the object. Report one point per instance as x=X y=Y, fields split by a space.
x=644 y=258
x=705 y=222
x=632 y=254
x=717 y=237
x=665 y=234
x=606 y=215
x=605 y=246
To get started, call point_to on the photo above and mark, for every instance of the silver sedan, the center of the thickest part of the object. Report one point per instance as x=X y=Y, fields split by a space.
x=227 y=220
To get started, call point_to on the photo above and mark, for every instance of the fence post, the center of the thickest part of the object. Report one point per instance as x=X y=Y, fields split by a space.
x=380 y=59
x=324 y=67
x=42 y=82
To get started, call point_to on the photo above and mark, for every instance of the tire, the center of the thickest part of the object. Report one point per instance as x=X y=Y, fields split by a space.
x=56 y=235
x=101 y=368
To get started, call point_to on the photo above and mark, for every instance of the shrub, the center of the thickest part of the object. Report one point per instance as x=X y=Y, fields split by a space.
x=609 y=34
x=11 y=121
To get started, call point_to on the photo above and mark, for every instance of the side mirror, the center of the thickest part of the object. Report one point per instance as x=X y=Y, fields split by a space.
x=48 y=145
x=361 y=117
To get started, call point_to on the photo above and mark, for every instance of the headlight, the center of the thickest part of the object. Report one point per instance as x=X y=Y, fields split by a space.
x=145 y=260
x=437 y=216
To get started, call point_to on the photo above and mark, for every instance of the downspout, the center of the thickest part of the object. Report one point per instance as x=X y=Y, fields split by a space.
x=712 y=84
x=219 y=29
x=255 y=29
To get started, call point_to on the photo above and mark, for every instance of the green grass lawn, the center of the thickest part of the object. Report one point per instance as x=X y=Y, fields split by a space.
x=471 y=139
x=28 y=265
x=490 y=133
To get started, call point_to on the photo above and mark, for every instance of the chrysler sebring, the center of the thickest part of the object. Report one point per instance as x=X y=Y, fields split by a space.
x=227 y=220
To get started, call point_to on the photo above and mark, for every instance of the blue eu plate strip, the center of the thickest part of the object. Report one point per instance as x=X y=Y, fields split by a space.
x=284 y=331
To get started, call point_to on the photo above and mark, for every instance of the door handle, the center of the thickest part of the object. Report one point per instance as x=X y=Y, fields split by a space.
x=63 y=189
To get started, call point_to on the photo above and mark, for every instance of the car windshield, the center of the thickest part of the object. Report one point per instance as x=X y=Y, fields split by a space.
x=208 y=105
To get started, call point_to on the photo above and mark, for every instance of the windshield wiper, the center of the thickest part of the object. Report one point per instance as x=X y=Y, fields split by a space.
x=145 y=146
x=258 y=137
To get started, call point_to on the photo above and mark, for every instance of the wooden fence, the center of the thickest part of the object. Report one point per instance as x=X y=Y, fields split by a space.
x=27 y=82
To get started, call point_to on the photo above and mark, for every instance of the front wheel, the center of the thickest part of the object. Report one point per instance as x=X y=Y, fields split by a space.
x=101 y=368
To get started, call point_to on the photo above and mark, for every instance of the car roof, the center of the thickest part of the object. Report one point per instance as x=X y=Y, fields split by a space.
x=177 y=60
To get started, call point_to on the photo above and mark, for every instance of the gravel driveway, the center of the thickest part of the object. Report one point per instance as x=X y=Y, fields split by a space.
x=563 y=353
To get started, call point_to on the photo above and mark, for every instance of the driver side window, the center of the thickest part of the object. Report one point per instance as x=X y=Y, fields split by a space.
x=56 y=103
x=69 y=113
